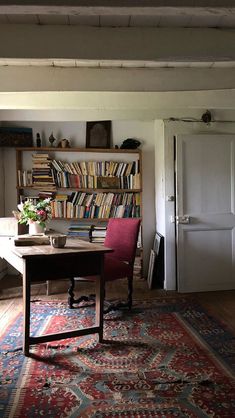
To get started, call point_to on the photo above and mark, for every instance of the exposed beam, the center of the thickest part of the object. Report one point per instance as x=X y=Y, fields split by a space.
x=146 y=44
x=23 y=79
x=118 y=7
x=147 y=102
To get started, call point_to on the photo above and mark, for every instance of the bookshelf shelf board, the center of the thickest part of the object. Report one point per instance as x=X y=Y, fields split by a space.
x=80 y=190
x=90 y=150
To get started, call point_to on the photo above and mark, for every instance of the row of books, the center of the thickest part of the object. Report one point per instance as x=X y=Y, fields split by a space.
x=97 y=168
x=25 y=178
x=65 y=179
x=87 y=199
x=58 y=179
x=99 y=199
x=68 y=210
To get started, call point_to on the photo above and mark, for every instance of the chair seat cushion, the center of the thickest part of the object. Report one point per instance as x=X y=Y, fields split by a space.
x=113 y=270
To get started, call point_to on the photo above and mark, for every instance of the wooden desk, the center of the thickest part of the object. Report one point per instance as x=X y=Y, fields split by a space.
x=43 y=262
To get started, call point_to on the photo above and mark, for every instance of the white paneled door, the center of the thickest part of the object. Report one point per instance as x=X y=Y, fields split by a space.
x=205 y=212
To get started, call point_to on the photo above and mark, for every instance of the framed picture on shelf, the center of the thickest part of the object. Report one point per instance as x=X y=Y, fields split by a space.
x=98 y=134
x=16 y=137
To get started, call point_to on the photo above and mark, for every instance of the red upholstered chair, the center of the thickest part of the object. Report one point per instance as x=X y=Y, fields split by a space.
x=121 y=236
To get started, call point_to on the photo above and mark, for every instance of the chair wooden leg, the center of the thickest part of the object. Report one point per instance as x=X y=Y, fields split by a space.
x=71 y=293
x=72 y=300
x=48 y=287
x=130 y=291
x=119 y=305
x=91 y=298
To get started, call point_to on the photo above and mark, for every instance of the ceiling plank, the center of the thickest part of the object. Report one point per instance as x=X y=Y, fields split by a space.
x=118 y=7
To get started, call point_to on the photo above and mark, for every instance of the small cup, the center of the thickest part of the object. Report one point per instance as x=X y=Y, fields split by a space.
x=58 y=241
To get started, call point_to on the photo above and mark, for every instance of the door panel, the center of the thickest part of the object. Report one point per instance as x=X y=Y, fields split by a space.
x=205 y=193
x=207 y=175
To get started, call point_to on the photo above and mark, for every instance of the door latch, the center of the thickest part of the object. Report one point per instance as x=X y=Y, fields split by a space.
x=184 y=219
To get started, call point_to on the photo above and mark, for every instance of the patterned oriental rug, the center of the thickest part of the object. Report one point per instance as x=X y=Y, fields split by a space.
x=165 y=358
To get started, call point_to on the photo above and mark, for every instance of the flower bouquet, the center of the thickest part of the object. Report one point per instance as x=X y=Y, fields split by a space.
x=29 y=213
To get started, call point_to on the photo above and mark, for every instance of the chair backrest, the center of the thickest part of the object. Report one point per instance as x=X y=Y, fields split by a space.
x=122 y=236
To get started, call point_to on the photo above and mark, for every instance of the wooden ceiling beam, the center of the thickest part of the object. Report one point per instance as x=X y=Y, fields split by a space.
x=118 y=7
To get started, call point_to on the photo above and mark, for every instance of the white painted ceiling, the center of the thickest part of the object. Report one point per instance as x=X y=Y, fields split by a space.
x=120 y=13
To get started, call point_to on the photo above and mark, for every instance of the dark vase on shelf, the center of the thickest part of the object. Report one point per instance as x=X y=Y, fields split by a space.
x=38 y=140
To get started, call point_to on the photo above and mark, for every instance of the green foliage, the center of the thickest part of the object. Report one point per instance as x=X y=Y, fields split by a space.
x=29 y=212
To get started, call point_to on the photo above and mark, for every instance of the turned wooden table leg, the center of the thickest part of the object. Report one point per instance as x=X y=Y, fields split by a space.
x=26 y=310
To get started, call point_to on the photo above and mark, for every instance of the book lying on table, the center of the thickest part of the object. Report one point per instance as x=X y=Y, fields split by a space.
x=21 y=240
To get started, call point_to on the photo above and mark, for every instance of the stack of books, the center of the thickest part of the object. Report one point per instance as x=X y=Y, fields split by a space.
x=42 y=176
x=98 y=233
x=79 y=230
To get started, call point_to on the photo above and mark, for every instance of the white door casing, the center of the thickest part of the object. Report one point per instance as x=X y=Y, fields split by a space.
x=205 y=192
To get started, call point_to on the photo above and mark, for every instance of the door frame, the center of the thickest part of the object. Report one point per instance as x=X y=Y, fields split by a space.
x=172 y=129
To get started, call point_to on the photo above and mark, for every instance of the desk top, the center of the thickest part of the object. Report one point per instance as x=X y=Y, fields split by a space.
x=73 y=246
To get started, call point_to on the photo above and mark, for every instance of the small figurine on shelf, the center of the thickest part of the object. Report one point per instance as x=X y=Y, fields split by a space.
x=52 y=139
x=38 y=140
x=64 y=143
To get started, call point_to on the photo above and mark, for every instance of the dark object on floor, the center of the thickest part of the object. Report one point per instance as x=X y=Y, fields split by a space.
x=130 y=143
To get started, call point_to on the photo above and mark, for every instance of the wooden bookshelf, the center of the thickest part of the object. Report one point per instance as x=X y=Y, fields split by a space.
x=70 y=155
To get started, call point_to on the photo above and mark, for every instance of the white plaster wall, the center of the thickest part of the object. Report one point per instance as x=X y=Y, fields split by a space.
x=144 y=131
x=160 y=177
x=76 y=133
